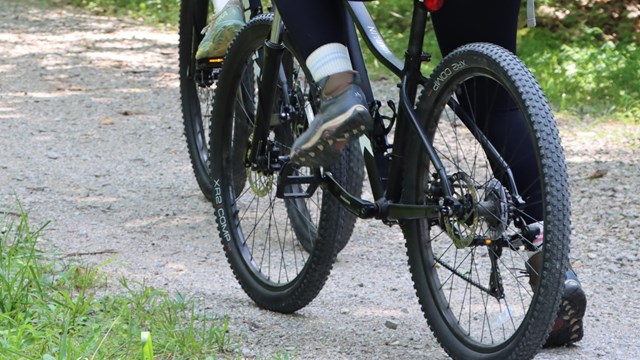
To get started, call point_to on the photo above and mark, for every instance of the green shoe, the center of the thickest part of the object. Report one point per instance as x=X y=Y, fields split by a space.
x=220 y=32
x=343 y=116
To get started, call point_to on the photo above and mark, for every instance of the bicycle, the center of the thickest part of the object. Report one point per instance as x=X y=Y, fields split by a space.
x=468 y=230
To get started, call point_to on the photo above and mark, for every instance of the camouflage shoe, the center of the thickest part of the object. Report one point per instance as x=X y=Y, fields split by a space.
x=220 y=32
x=567 y=328
x=343 y=116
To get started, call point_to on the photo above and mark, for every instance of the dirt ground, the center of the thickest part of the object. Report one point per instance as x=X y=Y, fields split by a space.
x=91 y=140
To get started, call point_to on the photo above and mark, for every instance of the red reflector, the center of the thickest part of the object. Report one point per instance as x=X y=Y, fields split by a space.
x=433 y=5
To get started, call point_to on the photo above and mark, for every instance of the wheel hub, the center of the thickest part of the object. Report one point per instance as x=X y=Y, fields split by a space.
x=461 y=226
x=494 y=209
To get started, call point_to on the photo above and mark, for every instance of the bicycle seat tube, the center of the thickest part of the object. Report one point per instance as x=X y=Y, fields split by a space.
x=411 y=77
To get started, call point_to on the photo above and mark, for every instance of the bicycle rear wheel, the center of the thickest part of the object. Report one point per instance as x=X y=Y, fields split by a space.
x=281 y=250
x=479 y=293
x=197 y=82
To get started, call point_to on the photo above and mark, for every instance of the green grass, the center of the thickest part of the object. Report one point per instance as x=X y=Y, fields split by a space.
x=590 y=78
x=53 y=308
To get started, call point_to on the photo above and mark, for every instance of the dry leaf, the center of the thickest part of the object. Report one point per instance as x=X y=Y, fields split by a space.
x=598 y=174
x=106 y=121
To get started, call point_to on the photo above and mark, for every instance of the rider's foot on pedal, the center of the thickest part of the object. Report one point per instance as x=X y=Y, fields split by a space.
x=567 y=328
x=220 y=32
x=343 y=116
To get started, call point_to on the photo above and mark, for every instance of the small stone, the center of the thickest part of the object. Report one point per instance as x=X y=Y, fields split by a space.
x=246 y=352
x=53 y=155
x=391 y=324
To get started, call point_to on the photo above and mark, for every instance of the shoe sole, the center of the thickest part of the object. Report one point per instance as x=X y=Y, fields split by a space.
x=324 y=147
x=568 y=328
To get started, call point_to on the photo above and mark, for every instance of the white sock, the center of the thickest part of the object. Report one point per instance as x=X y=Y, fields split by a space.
x=329 y=59
x=219 y=4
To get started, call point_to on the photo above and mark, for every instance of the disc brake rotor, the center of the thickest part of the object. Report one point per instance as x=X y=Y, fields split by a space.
x=260 y=183
x=462 y=228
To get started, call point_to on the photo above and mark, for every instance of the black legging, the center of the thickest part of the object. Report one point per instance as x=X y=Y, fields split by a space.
x=459 y=22
x=313 y=23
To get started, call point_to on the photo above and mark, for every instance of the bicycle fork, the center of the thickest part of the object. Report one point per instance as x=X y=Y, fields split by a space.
x=272 y=57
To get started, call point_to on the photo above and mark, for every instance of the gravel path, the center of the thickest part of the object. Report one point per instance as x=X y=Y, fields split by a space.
x=91 y=139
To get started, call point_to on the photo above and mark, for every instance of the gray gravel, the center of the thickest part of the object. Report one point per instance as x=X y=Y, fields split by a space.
x=91 y=140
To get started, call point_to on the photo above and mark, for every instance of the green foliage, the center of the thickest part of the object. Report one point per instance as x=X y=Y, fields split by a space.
x=393 y=19
x=52 y=309
x=584 y=69
x=155 y=11
x=616 y=19
x=584 y=53
x=599 y=78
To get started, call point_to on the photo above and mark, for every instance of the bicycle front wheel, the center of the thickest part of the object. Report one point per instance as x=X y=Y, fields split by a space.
x=281 y=248
x=480 y=292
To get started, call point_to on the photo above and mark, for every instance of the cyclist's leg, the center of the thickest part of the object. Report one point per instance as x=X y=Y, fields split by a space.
x=494 y=22
x=466 y=21
x=317 y=32
x=312 y=24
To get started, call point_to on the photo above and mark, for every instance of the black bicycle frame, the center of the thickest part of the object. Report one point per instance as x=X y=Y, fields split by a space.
x=386 y=182
x=385 y=176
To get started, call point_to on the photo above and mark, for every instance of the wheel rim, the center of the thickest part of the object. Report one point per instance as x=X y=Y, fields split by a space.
x=197 y=96
x=204 y=95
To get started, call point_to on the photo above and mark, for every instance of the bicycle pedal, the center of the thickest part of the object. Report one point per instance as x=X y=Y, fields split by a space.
x=211 y=63
x=208 y=71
